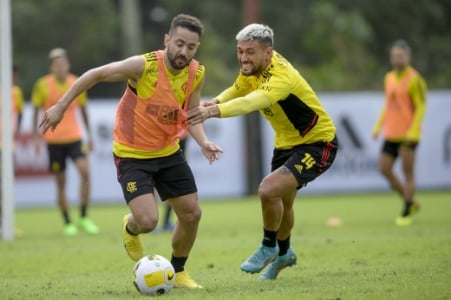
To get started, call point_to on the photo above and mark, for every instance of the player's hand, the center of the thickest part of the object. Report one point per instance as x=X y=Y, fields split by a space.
x=208 y=103
x=198 y=115
x=51 y=118
x=211 y=151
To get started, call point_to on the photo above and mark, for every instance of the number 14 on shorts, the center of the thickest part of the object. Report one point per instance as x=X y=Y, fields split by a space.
x=307 y=162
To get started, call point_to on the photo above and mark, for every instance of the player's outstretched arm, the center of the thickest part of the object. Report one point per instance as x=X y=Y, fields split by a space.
x=235 y=107
x=209 y=149
x=128 y=69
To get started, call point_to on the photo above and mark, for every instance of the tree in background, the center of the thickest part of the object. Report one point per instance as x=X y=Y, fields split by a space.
x=87 y=29
x=337 y=45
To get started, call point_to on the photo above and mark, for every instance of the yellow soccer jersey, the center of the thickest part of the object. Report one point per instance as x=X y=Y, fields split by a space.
x=18 y=101
x=16 y=109
x=285 y=99
x=144 y=89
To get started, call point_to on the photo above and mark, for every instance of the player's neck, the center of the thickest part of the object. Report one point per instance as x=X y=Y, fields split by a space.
x=263 y=68
x=60 y=78
x=401 y=70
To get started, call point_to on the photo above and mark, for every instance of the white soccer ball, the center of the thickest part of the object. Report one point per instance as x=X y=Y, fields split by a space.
x=153 y=275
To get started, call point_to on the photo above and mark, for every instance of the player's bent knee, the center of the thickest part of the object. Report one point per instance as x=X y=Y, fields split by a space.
x=265 y=191
x=146 y=223
x=193 y=216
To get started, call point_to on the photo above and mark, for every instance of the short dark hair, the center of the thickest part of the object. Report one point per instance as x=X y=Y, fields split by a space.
x=402 y=44
x=189 y=22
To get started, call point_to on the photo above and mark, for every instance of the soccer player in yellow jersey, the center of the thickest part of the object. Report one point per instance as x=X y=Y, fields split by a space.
x=150 y=121
x=18 y=101
x=66 y=142
x=401 y=119
x=305 y=142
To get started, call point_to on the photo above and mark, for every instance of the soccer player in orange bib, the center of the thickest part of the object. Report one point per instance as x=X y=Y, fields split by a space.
x=305 y=142
x=66 y=141
x=150 y=121
x=401 y=119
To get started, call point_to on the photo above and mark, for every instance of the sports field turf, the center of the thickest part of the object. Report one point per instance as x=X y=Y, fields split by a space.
x=366 y=258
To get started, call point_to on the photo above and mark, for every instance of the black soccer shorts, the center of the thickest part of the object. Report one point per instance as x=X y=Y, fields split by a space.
x=392 y=148
x=306 y=161
x=59 y=153
x=170 y=175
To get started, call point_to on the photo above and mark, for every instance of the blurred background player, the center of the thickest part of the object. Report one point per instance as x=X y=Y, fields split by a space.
x=17 y=109
x=18 y=102
x=305 y=142
x=150 y=121
x=66 y=141
x=401 y=119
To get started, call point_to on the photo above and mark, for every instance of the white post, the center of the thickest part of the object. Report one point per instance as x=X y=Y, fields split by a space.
x=7 y=179
x=131 y=30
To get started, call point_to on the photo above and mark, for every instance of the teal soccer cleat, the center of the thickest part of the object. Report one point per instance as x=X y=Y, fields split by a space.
x=260 y=259
x=280 y=263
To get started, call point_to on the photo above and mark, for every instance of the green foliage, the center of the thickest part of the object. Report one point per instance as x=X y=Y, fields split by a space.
x=222 y=20
x=366 y=258
x=337 y=45
x=328 y=44
x=425 y=24
x=87 y=29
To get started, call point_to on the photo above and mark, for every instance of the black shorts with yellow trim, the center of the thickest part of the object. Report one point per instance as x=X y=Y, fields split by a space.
x=170 y=175
x=59 y=153
x=306 y=161
x=392 y=148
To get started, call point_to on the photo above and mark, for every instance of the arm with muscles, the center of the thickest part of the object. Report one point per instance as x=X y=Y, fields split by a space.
x=417 y=91
x=197 y=131
x=128 y=69
x=226 y=95
x=238 y=106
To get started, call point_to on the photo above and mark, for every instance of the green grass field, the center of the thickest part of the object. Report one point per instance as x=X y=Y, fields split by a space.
x=366 y=258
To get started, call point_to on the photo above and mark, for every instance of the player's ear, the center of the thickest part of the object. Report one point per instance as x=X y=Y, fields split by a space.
x=269 y=49
x=166 y=40
x=268 y=53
